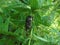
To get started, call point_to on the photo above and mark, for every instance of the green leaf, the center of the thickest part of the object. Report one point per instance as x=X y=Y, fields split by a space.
x=40 y=38
x=6 y=24
x=47 y=20
x=34 y=4
x=1 y=22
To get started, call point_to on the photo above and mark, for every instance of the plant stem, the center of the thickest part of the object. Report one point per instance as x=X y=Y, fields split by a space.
x=30 y=37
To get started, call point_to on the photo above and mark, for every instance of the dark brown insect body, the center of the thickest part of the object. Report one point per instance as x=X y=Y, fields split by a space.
x=28 y=23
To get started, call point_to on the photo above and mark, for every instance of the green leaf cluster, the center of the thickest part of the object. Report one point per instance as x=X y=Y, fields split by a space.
x=45 y=24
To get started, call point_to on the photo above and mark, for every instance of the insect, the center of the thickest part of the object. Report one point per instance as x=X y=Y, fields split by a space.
x=28 y=23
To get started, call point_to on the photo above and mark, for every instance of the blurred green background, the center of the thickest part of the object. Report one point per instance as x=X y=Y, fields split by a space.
x=45 y=24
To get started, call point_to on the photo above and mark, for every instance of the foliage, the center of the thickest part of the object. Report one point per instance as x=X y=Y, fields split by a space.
x=45 y=25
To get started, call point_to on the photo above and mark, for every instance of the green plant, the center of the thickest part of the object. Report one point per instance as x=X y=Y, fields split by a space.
x=45 y=25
